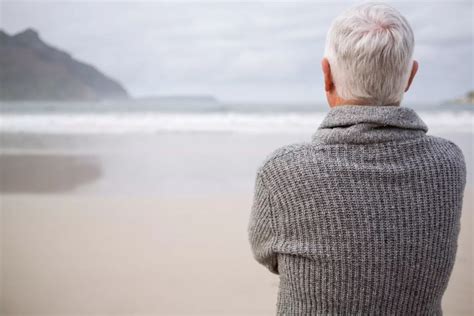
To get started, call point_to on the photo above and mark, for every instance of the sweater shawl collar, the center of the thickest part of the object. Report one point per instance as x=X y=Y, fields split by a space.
x=365 y=124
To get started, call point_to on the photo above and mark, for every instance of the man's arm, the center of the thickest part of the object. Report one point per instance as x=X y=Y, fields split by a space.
x=261 y=231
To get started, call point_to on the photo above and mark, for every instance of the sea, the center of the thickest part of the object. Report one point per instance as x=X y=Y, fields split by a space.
x=145 y=116
x=167 y=148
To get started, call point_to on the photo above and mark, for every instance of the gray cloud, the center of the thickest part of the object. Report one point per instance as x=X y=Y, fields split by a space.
x=263 y=50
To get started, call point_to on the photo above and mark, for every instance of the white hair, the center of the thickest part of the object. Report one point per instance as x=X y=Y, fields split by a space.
x=369 y=48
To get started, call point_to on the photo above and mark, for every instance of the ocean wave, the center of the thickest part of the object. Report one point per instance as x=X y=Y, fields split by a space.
x=154 y=122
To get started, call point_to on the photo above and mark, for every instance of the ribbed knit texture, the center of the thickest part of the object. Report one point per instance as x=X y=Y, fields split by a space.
x=364 y=218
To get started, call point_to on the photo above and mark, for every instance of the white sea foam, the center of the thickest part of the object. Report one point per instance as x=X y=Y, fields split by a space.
x=156 y=122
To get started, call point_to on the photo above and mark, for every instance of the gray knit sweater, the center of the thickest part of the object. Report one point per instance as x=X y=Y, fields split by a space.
x=364 y=218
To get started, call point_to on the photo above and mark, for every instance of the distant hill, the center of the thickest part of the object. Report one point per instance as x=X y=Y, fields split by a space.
x=30 y=69
x=180 y=99
x=467 y=99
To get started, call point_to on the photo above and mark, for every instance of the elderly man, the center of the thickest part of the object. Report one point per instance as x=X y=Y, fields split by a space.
x=364 y=218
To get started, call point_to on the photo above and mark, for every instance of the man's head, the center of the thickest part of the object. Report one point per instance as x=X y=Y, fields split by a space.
x=368 y=56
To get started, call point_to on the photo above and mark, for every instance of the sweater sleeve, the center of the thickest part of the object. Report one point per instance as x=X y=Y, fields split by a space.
x=261 y=232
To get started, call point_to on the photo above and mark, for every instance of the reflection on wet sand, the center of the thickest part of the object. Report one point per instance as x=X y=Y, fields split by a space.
x=46 y=173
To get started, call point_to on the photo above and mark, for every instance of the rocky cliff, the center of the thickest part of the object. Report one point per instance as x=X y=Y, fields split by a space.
x=30 y=69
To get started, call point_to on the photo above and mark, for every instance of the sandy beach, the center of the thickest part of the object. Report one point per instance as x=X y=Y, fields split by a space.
x=130 y=256
x=93 y=255
x=127 y=228
x=96 y=255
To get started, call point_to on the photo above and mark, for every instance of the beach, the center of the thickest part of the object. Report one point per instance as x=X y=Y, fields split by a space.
x=132 y=132
x=135 y=256
x=149 y=224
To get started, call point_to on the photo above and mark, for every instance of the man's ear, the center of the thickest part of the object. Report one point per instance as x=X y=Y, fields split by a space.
x=414 y=69
x=328 y=83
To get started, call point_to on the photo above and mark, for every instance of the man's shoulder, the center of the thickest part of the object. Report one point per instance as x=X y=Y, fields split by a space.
x=285 y=155
x=291 y=155
x=446 y=146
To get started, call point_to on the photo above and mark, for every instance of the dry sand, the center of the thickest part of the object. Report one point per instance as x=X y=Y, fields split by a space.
x=106 y=255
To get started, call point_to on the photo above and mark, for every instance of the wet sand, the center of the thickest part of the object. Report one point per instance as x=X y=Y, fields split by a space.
x=46 y=173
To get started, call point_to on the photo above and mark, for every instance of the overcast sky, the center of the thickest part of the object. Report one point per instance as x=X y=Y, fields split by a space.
x=238 y=50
